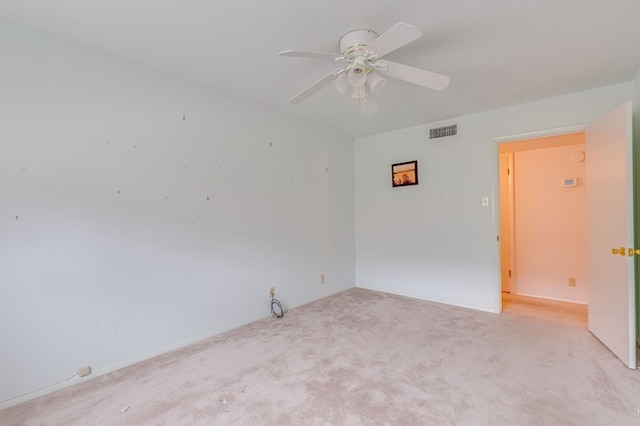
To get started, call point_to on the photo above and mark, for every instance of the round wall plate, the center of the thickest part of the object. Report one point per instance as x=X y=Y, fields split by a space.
x=577 y=156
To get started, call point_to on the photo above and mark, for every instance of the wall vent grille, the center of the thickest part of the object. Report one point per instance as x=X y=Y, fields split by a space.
x=443 y=132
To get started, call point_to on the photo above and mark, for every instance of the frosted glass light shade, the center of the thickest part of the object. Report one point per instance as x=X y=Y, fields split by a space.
x=341 y=84
x=359 y=93
x=358 y=73
x=375 y=82
x=357 y=76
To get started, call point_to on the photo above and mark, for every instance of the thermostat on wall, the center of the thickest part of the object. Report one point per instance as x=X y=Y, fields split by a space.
x=569 y=182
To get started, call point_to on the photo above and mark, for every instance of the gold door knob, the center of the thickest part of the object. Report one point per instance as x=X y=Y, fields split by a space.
x=621 y=251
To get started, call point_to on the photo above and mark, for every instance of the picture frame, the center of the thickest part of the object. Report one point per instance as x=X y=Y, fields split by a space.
x=404 y=174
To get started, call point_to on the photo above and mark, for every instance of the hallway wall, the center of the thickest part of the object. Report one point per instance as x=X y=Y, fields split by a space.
x=550 y=224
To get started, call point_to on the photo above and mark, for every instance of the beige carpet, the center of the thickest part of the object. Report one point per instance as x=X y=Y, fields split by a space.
x=363 y=357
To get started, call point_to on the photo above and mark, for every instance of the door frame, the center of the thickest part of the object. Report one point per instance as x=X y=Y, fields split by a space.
x=557 y=131
x=507 y=241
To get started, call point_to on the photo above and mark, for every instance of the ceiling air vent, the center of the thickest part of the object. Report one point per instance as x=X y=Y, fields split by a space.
x=443 y=132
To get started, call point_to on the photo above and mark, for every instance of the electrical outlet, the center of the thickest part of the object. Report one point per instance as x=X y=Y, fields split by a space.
x=272 y=292
x=84 y=371
x=572 y=282
x=322 y=279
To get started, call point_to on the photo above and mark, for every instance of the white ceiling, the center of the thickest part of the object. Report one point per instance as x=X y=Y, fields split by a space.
x=497 y=52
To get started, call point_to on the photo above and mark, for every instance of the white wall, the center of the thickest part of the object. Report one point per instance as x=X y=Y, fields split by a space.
x=550 y=224
x=139 y=214
x=435 y=240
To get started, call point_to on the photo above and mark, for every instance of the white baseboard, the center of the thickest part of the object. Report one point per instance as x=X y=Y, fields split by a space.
x=550 y=298
x=97 y=372
x=444 y=302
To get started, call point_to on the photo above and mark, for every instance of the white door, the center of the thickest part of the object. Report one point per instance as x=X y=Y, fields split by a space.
x=610 y=225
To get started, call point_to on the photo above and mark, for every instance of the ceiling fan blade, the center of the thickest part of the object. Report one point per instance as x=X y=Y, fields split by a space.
x=428 y=79
x=394 y=38
x=316 y=87
x=316 y=55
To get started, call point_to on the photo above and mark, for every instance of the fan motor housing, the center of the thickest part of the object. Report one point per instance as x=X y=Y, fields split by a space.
x=354 y=42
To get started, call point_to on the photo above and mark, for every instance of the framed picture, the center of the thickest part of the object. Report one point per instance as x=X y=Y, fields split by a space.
x=404 y=174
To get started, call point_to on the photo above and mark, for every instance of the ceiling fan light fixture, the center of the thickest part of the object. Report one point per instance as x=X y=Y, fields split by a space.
x=381 y=65
x=360 y=93
x=357 y=77
x=341 y=84
x=358 y=73
x=375 y=82
x=366 y=72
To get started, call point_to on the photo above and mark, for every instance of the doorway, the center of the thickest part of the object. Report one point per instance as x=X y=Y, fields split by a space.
x=611 y=182
x=543 y=218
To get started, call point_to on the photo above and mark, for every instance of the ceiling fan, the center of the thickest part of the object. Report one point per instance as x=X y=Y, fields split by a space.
x=362 y=67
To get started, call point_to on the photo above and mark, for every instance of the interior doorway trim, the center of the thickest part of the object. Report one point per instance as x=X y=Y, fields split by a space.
x=557 y=131
x=506 y=209
x=497 y=140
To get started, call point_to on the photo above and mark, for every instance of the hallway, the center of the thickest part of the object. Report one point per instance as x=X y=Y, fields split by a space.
x=550 y=310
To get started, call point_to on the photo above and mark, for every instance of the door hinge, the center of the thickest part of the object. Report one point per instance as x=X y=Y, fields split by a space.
x=509 y=273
